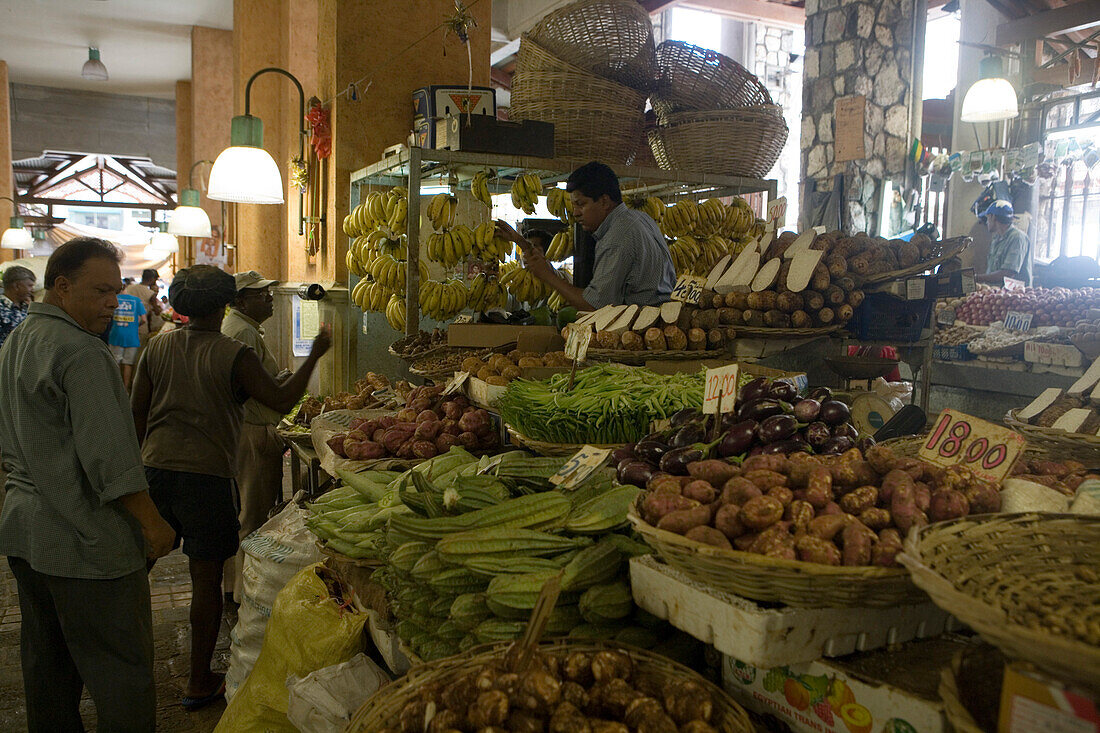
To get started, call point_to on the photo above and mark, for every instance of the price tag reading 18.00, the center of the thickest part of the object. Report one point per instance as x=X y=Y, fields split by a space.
x=574 y=471
x=577 y=339
x=689 y=288
x=720 y=386
x=986 y=449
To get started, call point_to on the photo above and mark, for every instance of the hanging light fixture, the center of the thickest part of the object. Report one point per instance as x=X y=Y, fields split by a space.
x=93 y=67
x=163 y=242
x=992 y=98
x=188 y=219
x=15 y=236
x=245 y=172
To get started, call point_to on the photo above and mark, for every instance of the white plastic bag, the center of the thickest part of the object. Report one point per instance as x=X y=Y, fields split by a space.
x=324 y=701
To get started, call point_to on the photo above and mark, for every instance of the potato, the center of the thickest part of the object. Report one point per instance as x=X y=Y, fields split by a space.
x=728 y=522
x=858 y=500
x=922 y=495
x=782 y=493
x=799 y=514
x=739 y=490
x=485 y=372
x=875 y=518
x=675 y=339
x=709 y=536
x=497 y=381
x=472 y=364
x=714 y=471
x=827 y=526
x=764 y=478
x=655 y=339
x=687 y=701
x=903 y=506
x=607 y=666
x=700 y=491
x=682 y=520
x=761 y=512
x=857 y=540
x=744 y=542
x=816 y=549
x=490 y=708
x=657 y=504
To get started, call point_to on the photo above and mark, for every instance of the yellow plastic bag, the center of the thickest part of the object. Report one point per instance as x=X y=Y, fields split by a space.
x=308 y=630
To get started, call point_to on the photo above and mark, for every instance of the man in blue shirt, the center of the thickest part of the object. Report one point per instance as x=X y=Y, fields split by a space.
x=18 y=294
x=124 y=337
x=633 y=265
x=1010 y=250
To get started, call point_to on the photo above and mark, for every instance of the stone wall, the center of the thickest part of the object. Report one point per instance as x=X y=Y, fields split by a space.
x=857 y=48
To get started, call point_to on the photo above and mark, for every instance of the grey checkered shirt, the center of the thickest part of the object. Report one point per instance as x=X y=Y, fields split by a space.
x=633 y=265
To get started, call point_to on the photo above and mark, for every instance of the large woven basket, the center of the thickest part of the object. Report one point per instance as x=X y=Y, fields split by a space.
x=796 y=583
x=737 y=142
x=692 y=77
x=381 y=710
x=543 y=448
x=1012 y=578
x=1051 y=438
x=909 y=446
x=611 y=38
x=942 y=251
x=530 y=88
x=587 y=129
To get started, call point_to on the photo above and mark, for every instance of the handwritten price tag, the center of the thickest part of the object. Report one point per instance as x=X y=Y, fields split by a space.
x=1014 y=284
x=580 y=466
x=721 y=387
x=576 y=341
x=777 y=212
x=456 y=383
x=1018 y=321
x=689 y=288
x=961 y=440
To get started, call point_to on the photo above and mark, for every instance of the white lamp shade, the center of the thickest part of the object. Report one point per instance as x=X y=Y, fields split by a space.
x=990 y=100
x=163 y=242
x=15 y=238
x=189 y=221
x=246 y=175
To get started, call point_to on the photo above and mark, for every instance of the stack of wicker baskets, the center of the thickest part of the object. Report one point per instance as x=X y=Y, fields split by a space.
x=587 y=68
x=713 y=115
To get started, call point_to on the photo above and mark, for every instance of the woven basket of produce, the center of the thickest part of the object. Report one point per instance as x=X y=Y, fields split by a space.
x=1028 y=583
x=582 y=129
x=939 y=252
x=910 y=445
x=786 y=332
x=1052 y=438
x=531 y=88
x=611 y=38
x=692 y=77
x=637 y=358
x=737 y=142
x=967 y=689
x=631 y=686
x=544 y=448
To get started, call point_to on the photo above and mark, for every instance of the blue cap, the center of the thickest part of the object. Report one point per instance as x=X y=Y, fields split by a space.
x=1000 y=207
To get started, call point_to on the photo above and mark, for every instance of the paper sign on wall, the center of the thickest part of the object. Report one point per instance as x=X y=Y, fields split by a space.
x=306 y=324
x=720 y=390
x=848 y=116
x=988 y=450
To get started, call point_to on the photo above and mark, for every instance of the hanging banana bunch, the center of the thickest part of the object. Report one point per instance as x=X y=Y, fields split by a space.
x=486 y=293
x=559 y=204
x=680 y=219
x=442 y=301
x=479 y=187
x=441 y=211
x=395 y=205
x=652 y=206
x=561 y=246
x=488 y=245
x=389 y=272
x=526 y=190
x=685 y=251
x=712 y=213
x=711 y=249
x=555 y=302
x=522 y=285
x=395 y=313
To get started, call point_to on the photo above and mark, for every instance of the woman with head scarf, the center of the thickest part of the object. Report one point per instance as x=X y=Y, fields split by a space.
x=188 y=404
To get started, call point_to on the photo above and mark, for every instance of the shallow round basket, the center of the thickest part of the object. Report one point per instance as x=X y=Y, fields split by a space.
x=1014 y=579
x=531 y=88
x=942 y=251
x=611 y=38
x=382 y=709
x=910 y=445
x=692 y=77
x=1051 y=438
x=587 y=129
x=740 y=142
x=785 y=332
x=793 y=582
x=543 y=448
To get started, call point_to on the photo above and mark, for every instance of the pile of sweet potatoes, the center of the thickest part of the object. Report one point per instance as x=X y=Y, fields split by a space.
x=851 y=509
x=1062 y=476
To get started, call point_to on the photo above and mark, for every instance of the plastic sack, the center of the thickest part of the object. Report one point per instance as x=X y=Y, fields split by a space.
x=273 y=555
x=324 y=701
x=309 y=630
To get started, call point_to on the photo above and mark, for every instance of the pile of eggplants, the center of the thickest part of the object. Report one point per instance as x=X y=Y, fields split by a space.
x=769 y=417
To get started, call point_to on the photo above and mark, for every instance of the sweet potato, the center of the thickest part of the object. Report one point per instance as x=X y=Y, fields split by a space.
x=739 y=490
x=745 y=541
x=815 y=549
x=659 y=503
x=714 y=471
x=881 y=458
x=983 y=496
x=761 y=512
x=893 y=480
x=857 y=539
x=785 y=495
x=948 y=504
x=336 y=443
x=858 y=500
x=819 y=487
x=367 y=450
x=700 y=491
x=774 y=462
x=776 y=541
x=827 y=526
x=665 y=482
x=709 y=536
x=903 y=504
x=887 y=548
x=922 y=495
x=875 y=518
x=800 y=467
x=682 y=520
x=728 y=522
x=799 y=514
x=831 y=508
x=764 y=478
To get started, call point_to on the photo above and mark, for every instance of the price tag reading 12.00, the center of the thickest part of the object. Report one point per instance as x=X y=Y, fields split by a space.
x=577 y=339
x=986 y=449
x=720 y=387
x=574 y=471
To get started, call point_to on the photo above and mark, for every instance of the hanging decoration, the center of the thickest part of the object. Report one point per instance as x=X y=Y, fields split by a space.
x=320 y=129
x=459 y=23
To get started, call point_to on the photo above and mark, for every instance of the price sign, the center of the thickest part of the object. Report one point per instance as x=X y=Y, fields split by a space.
x=720 y=387
x=580 y=466
x=968 y=285
x=1013 y=284
x=689 y=288
x=576 y=341
x=1018 y=321
x=456 y=383
x=946 y=316
x=986 y=449
x=465 y=318
x=819 y=230
x=914 y=288
x=777 y=212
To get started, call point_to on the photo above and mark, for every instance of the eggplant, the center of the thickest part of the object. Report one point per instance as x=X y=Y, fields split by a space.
x=676 y=460
x=845 y=429
x=836 y=446
x=816 y=434
x=783 y=391
x=738 y=438
x=626 y=452
x=651 y=451
x=807 y=410
x=865 y=443
x=753 y=390
x=788 y=446
x=729 y=419
x=834 y=412
x=756 y=450
x=636 y=473
x=759 y=409
x=777 y=427
x=821 y=394
x=685 y=416
x=661 y=436
x=689 y=434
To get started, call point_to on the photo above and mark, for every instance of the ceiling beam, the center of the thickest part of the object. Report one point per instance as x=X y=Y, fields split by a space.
x=30 y=200
x=788 y=15
x=656 y=6
x=1055 y=22
x=1059 y=74
x=504 y=53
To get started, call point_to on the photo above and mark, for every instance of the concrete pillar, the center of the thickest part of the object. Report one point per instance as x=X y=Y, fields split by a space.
x=7 y=176
x=184 y=157
x=212 y=82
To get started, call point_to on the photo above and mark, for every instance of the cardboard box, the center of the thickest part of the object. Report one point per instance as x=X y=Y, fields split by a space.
x=486 y=134
x=1032 y=701
x=1056 y=354
x=493 y=335
x=434 y=102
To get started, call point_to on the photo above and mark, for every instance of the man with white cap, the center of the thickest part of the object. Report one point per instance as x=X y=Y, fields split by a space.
x=1010 y=250
x=260 y=453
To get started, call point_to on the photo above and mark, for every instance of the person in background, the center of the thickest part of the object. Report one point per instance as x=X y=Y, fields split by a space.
x=78 y=524
x=188 y=407
x=260 y=454
x=123 y=338
x=1010 y=250
x=18 y=294
x=147 y=290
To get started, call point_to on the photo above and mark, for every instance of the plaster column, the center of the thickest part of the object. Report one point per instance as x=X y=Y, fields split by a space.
x=184 y=157
x=7 y=175
x=212 y=81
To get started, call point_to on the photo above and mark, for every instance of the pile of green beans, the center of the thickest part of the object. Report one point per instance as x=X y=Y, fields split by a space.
x=609 y=403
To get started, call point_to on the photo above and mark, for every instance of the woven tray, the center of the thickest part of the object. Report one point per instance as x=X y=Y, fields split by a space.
x=383 y=707
x=692 y=77
x=1051 y=437
x=786 y=332
x=543 y=448
x=611 y=38
x=792 y=582
x=637 y=358
x=985 y=570
x=587 y=129
x=434 y=351
x=739 y=142
x=530 y=88
x=946 y=249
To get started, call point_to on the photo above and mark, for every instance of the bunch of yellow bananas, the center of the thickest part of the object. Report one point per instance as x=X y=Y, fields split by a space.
x=524 y=286
x=486 y=293
x=395 y=312
x=739 y=218
x=561 y=246
x=555 y=302
x=526 y=190
x=712 y=215
x=441 y=211
x=685 y=251
x=652 y=206
x=479 y=187
x=681 y=218
x=559 y=204
x=370 y=296
x=711 y=249
x=442 y=301
x=488 y=245
x=397 y=213
x=450 y=247
x=388 y=271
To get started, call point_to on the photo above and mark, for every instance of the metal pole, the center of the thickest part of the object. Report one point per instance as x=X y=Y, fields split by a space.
x=302 y=132
x=412 y=262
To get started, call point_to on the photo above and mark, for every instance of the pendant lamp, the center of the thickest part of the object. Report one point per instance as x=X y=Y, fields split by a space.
x=189 y=219
x=992 y=98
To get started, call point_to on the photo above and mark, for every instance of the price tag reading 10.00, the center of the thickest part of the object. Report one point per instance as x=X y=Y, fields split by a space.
x=720 y=387
x=574 y=471
x=986 y=449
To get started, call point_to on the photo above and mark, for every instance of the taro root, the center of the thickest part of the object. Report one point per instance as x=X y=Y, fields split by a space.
x=490 y=708
x=607 y=666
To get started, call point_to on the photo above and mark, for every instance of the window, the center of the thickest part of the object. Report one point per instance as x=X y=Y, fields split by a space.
x=1069 y=202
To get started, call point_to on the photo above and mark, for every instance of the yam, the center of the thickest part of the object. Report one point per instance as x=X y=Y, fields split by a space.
x=781 y=278
x=655 y=340
x=765 y=278
x=820 y=278
x=837 y=264
x=742 y=271
x=826 y=316
x=607 y=340
x=716 y=338
x=768 y=299
x=606 y=316
x=789 y=302
x=846 y=283
x=777 y=319
x=717 y=271
x=729 y=316
x=855 y=298
x=1040 y=403
x=670 y=311
x=844 y=313
x=908 y=254
x=633 y=341
x=715 y=301
x=647 y=317
x=675 y=339
x=625 y=319
x=753 y=318
x=814 y=300
x=834 y=296
x=752 y=300
x=801 y=243
x=861 y=264
x=704 y=319
x=801 y=319
x=737 y=299
x=696 y=339
x=683 y=321
x=803 y=268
